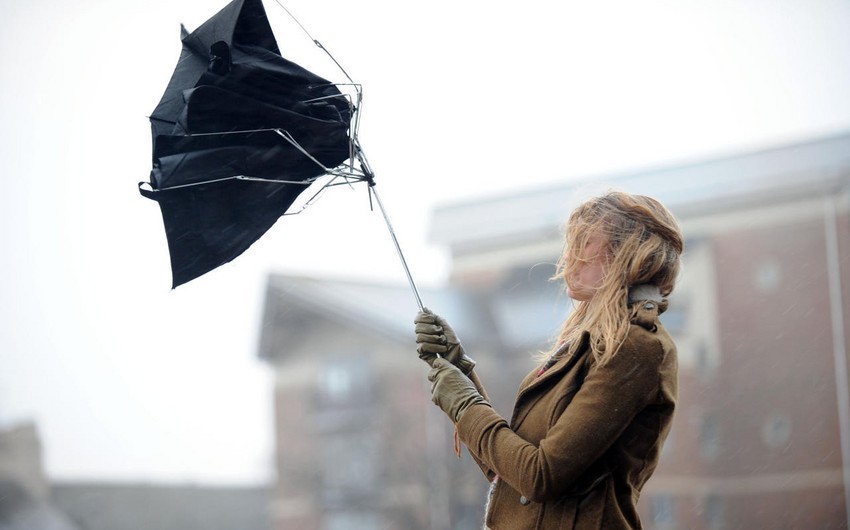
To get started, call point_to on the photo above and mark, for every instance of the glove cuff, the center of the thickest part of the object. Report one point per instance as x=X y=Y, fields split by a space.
x=474 y=399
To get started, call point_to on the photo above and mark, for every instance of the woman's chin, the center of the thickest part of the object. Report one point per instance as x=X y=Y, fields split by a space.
x=578 y=296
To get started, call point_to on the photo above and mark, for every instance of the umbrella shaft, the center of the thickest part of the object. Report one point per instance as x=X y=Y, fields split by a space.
x=398 y=248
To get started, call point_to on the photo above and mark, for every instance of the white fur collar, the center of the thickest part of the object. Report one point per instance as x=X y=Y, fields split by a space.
x=645 y=291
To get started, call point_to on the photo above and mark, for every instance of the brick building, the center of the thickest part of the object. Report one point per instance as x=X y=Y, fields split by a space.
x=760 y=317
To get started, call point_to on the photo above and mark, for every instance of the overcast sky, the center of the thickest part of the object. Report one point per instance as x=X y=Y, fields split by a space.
x=128 y=380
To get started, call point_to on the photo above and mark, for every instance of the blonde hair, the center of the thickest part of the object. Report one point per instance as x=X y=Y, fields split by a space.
x=644 y=244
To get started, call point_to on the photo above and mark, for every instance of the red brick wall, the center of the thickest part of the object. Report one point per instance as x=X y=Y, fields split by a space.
x=776 y=358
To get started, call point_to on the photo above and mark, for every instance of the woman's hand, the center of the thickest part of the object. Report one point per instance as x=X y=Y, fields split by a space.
x=435 y=338
x=452 y=391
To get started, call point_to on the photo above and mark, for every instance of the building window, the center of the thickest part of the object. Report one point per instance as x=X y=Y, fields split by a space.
x=702 y=360
x=776 y=430
x=349 y=467
x=344 y=382
x=668 y=448
x=675 y=319
x=767 y=276
x=663 y=510
x=351 y=520
x=714 y=512
x=709 y=437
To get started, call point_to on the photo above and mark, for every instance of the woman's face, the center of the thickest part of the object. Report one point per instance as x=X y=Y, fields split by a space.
x=587 y=270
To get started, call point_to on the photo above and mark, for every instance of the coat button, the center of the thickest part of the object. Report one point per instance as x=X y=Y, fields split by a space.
x=524 y=501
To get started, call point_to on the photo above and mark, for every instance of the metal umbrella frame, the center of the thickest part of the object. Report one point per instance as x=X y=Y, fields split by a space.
x=355 y=169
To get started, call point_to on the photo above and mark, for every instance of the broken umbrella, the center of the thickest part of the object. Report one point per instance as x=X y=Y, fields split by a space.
x=239 y=134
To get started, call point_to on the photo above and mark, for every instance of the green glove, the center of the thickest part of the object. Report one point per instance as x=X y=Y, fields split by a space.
x=452 y=391
x=435 y=338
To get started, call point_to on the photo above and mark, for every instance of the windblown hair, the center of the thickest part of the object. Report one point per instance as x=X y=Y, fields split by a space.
x=644 y=244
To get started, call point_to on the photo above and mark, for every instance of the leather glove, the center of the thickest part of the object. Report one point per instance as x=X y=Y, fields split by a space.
x=435 y=338
x=452 y=391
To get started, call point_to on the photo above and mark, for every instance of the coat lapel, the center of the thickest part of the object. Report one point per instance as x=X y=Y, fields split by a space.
x=526 y=394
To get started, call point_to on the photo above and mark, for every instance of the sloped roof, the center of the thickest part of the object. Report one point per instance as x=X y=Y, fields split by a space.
x=775 y=174
x=523 y=311
x=385 y=310
x=21 y=510
x=105 y=506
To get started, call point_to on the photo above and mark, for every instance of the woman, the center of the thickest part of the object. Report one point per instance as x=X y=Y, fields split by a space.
x=589 y=423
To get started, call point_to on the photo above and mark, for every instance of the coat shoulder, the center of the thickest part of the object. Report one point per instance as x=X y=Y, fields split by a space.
x=654 y=346
x=646 y=334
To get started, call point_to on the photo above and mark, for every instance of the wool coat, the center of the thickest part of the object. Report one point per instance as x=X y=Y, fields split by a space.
x=584 y=437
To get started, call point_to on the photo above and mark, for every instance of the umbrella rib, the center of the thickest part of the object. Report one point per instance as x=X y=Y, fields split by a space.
x=315 y=196
x=179 y=186
x=322 y=98
x=289 y=138
x=221 y=133
x=305 y=182
x=316 y=42
x=350 y=172
x=330 y=171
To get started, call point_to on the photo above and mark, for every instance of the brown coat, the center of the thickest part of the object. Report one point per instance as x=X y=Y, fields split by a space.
x=583 y=438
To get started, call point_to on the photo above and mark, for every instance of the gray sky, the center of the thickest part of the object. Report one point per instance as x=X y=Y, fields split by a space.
x=128 y=380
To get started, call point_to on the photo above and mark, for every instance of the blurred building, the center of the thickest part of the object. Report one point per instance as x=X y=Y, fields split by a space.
x=30 y=501
x=151 y=506
x=760 y=317
x=25 y=501
x=358 y=444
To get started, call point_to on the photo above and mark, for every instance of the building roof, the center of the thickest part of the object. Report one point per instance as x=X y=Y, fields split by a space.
x=384 y=310
x=522 y=306
x=788 y=171
x=107 y=506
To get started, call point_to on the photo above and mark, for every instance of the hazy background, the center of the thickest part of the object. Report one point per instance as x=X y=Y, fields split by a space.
x=128 y=380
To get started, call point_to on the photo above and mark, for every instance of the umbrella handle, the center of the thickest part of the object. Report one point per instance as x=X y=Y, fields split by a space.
x=397 y=247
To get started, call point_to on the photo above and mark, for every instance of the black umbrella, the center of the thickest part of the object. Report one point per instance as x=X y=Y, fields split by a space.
x=239 y=134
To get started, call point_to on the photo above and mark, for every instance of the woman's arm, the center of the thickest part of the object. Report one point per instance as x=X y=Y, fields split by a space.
x=610 y=398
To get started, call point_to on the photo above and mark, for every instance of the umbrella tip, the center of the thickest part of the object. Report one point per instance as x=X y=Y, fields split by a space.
x=183 y=31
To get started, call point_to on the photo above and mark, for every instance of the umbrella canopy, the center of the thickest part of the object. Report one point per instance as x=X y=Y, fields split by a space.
x=239 y=133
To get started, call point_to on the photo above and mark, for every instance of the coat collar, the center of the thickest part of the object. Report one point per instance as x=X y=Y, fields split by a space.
x=566 y=366
x=646 y=299
x=564 y=363
x=645 y=292
x=650 y=304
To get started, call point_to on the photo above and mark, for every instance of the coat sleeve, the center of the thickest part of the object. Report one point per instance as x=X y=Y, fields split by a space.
x=610 y=398
x=480 y=386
